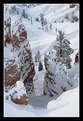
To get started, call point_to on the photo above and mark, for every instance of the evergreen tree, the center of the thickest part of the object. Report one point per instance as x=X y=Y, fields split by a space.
x=43 y=21
x=37 y=56
x=50 y=26
x=63 y=50
x=37 y=19
x=17 y=12
x=23 y=13
x=40 y=68
x=13 y=8
x=31 y=20
x=74 y=18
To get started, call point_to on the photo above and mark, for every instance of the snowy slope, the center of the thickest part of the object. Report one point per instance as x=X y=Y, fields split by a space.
x=64 y=106
x=45 y=40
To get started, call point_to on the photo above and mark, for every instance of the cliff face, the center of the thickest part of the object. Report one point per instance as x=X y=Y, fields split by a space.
x=19 y=64
x=12 y=74
x=12 y=71
x=56 y=80
x=22 y=48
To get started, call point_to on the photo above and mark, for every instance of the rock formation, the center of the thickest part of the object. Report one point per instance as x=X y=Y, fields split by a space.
x=56 y=80
x=18 y=94
x=72 y=5
x=21 y=46
x=77 y=58
x=20 y=63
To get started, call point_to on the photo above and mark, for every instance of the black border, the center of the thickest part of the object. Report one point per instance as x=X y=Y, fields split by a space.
x=2 y=48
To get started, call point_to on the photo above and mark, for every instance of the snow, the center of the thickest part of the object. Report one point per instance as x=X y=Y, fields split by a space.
x=63 y=106
x=66 y=104
x=19 y=87
x=38 y=82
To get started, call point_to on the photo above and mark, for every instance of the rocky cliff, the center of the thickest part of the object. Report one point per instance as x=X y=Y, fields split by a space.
x=18 y=55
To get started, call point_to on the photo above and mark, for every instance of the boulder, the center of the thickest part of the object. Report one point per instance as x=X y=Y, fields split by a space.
x=72 y=5
x=77 y=58
x=18 y=93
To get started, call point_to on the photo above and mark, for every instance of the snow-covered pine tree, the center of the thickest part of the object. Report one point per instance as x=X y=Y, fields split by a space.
x=43 y=21
x=74 y=18
x=50 y=26
x=23 y=13
x=40 y=68
x=37 y=56
x=17 y=12
x=13 y=9
x=63 y=50
x=37 y=19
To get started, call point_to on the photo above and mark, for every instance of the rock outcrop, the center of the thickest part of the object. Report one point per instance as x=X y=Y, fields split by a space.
x=77 y=58
x=18 y=94
x=21 y=46
x=12 y=74
x=20 y=63
x=56 y=80
x=72 y=5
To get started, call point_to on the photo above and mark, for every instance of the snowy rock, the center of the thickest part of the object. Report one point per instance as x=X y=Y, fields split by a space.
x=77 y=58
x=12 y=75
x=18 y=93
x=12 y=71
x=21 y=64
x=72 y=5
x=22 y=48
x=56 y=80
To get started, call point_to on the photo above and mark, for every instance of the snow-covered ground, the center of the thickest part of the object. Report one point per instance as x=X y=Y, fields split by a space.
x=67 y=104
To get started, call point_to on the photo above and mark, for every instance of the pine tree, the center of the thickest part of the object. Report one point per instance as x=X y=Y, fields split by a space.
x=74 y=18
x=50 y=26
x=63 y=50
x=31 y=20
x=13 y=8
x=40 y=68
x=23 y=13
x=43 y=21
x=37 y=19
x=17 y=12
x=37 y=56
